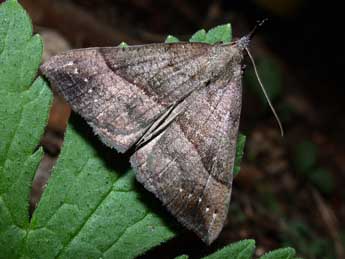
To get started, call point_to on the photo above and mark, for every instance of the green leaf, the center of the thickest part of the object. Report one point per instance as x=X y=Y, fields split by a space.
x=24 y=108
x=89 y=210
x=221 y=33
x=241 y=142
x=282 y=253
x=244 y=249
x=171 y=39
x=305 y=156
x=123 y=45
x=20 y=52
x=199 y=36
x=240 y=250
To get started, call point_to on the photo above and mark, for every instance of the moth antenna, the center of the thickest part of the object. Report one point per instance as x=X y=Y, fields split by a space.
x=265 y=93
x=258 y=24
x=245 y=40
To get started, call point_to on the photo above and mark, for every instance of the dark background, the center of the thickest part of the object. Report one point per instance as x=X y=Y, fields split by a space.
x=290 y=189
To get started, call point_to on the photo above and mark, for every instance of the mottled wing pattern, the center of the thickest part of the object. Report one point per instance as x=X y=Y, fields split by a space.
x=189 y=165
x=179 y=103
x=122 y=91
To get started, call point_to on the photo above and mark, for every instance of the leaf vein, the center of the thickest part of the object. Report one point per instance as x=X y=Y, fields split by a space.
x=124 y=232
x=86 y=221
x=17 y=127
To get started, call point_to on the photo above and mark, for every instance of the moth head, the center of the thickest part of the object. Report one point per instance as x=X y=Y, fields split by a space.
x=243 y=42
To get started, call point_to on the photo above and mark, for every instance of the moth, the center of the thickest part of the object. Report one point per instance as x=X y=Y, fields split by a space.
x=177 y=104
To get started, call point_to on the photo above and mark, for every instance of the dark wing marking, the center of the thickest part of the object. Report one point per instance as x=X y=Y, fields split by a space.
x=189 y=165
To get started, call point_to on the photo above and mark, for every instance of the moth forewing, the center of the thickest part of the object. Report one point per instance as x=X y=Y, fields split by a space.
x=179 y=103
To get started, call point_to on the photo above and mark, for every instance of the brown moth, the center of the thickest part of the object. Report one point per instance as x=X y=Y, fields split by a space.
x=178 y=104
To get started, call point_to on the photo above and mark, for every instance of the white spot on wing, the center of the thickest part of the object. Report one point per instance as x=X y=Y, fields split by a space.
x=71 y=63
x=214 y=216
